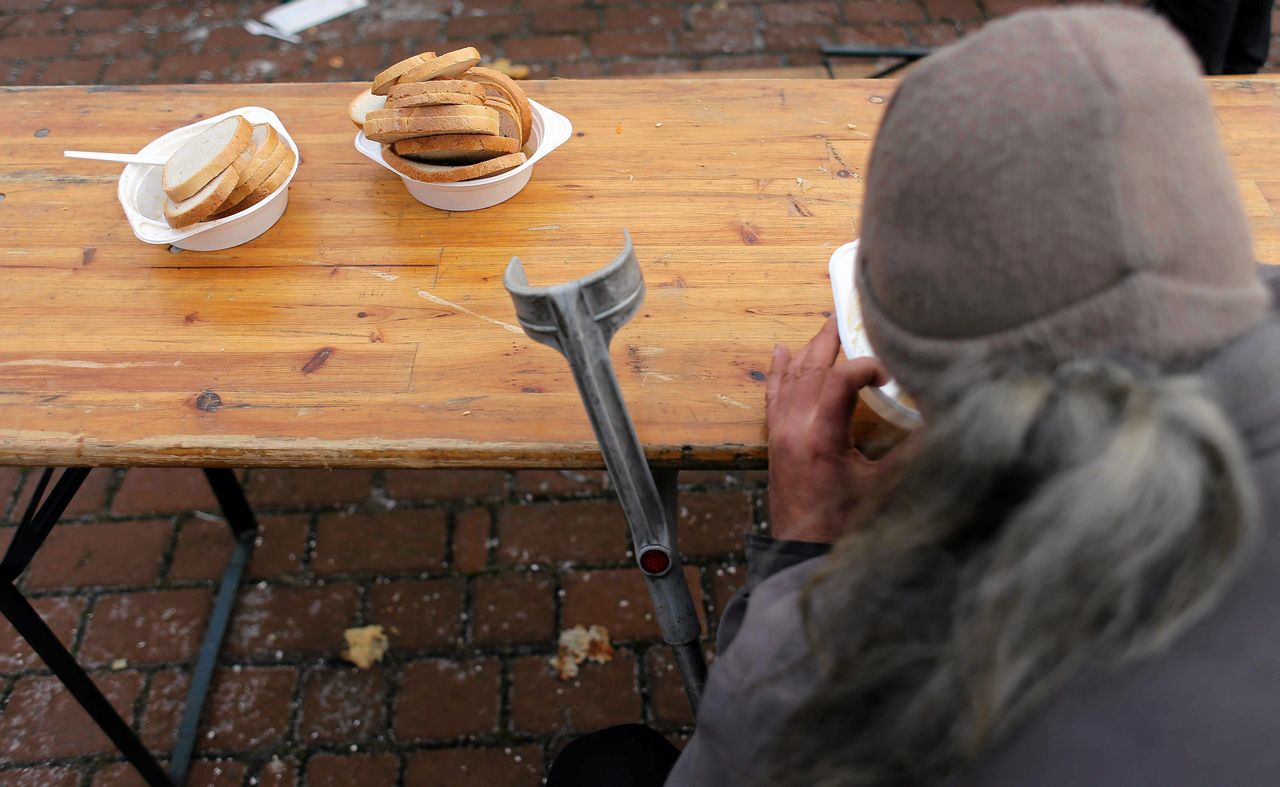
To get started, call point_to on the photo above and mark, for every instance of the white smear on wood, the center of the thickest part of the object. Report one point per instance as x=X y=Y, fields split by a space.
x=85 y=364
x=646 y=376
x=380 y=274
x=547 y=227
x=436 y=299
x=733 y=402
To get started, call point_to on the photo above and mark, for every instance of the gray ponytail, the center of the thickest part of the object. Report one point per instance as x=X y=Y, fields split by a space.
x=1088 y=515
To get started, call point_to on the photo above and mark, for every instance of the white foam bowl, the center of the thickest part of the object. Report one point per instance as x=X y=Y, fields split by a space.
x=885 y=401
x=550 y=131
x=142 y=197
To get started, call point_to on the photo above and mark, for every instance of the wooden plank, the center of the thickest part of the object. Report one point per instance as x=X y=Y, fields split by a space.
x=368 y=330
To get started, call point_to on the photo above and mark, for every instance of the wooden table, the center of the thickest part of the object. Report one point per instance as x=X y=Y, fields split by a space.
x=328 y=341
x=368 y=330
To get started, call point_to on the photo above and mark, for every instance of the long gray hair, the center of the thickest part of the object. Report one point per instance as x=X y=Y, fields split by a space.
x=1087 y=515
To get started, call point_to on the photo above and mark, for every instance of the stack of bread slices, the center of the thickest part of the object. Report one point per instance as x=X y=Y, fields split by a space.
x=444 y=119
x=230 y=166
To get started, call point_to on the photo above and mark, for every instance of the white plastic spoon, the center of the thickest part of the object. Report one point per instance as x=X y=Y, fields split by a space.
x=119 y=158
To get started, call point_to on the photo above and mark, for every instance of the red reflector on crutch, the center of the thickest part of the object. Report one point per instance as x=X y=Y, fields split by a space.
x=655 y=560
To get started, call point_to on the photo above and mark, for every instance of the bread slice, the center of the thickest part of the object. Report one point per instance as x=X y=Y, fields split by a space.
x=434 y=99
x=204 y=156
x=261 y=145
x=446 y=66
x=383 y=82
x=274 y=180
x=455 y=148
x=391 y=130
x=203 y=203
x=433 y=173
x=362 y=105
x=256 y=178
x=499 y=84
x=441 y=111
x=508 y=118
x=436 y=86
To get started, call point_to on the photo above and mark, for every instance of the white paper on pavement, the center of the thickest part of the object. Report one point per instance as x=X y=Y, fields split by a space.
x=286 y=21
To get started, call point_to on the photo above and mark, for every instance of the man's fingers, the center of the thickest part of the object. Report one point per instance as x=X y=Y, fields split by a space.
x=777 y=368
x=822 y=349
x=809 y=368
x=840 y=393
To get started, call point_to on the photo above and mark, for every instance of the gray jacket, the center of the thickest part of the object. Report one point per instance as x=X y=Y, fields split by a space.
x=1207 y=712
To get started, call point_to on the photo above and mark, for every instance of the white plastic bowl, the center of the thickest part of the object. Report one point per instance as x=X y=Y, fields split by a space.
x=142 y=197
x=550 y=131
x=884 y=401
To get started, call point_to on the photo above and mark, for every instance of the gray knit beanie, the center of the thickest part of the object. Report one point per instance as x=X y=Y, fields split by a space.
x=1053 y=187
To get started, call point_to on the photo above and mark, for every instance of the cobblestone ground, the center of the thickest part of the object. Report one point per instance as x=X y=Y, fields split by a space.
x=473 y=573
x=54 y=42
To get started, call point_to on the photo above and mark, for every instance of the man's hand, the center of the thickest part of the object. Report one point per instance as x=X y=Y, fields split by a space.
x=816 y=476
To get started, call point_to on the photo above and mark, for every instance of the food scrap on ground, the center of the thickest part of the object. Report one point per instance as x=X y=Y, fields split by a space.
x=365 y=646
x=580 y=644
x=513 y=70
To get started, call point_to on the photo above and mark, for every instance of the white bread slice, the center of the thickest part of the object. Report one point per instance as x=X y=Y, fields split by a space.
x=455 y=148
x=261 y=145
x=204 y=156
x=389 y=130
x=441 y=111
x=508 y=118
x=203 y=203
x=436 y=86
x=383 y=82
x=432 y=173
x=362 y=105
x=255 y=178
x=265 y=189
x=446 y=66
x=434 y=99
x=498 y=83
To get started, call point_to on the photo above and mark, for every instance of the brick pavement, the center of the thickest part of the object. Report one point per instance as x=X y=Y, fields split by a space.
x=53 y=42
x=473 y=573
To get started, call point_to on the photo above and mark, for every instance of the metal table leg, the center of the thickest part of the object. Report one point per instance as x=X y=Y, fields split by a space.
x=40 y=517
x=236 y=510
x=32 y=531
x=905 y=55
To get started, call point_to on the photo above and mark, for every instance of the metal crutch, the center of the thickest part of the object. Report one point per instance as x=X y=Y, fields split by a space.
x=578 y=319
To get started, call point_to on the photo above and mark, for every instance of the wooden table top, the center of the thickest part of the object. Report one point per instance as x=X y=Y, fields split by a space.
x=365 y=329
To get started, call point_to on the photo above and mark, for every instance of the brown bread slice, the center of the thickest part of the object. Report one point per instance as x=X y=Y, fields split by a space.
x=274 y=180
x=434 y=99
x=383 y=81
x=455 y=148
x=436 y=86
x=444 y=111
x=255 y=178
x=498 y=83
x=432 y=173
x=261 y=145
x=508 y=118
x=203 y=203
x=204 y=156
x=446 y=66
x=362 y=105
x=389 y=130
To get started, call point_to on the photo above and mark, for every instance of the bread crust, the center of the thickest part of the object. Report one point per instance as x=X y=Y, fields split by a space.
x=431 y=173
x=203 y=203
x=455 y=148
x=383 y=81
